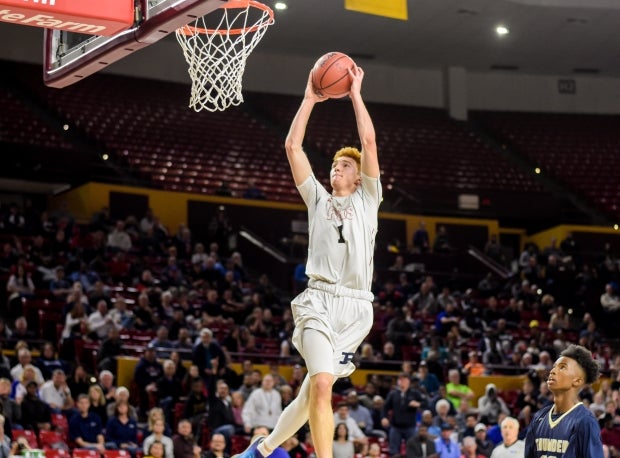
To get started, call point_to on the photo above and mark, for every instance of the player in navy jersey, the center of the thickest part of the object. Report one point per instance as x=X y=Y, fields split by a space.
x=566 y=429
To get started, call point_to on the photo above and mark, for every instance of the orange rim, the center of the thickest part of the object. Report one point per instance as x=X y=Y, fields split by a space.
x=191 y=30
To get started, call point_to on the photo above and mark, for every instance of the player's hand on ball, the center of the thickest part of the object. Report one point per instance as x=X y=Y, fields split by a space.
x=312 y=93
x=357 y=75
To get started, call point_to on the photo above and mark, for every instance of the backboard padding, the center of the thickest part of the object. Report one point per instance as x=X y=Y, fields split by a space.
x=70 y=57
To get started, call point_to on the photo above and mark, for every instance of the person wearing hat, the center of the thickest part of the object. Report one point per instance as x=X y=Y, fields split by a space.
x=567 y=429
x=403 y=402
x=428 y=381
x=484 y=446
x=445 y=445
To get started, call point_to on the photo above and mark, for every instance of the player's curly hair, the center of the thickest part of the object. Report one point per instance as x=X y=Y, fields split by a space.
x=583 y=356
x=353 y=153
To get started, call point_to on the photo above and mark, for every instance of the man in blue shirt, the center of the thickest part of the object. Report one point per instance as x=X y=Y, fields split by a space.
x=445 y=446
x=85 y=429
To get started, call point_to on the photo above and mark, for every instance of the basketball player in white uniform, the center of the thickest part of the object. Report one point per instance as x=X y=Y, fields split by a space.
x=334 y=314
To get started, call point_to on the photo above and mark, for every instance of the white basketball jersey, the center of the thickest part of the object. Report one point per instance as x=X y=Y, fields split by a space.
x=342 y=233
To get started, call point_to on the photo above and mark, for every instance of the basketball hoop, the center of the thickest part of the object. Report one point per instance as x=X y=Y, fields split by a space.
x=216 y=54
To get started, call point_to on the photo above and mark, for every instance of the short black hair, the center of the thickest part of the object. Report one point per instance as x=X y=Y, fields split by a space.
x=583 y=357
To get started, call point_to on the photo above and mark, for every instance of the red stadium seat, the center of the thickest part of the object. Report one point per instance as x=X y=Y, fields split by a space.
x=50 y=439
x=56 y=453
x=116 y=454
x=85 y=453
x=30 y=436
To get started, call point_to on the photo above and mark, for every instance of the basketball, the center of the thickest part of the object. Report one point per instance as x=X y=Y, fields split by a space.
x=330 y=74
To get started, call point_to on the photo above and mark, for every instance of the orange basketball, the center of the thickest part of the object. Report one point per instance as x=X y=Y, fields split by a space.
x=330 y=74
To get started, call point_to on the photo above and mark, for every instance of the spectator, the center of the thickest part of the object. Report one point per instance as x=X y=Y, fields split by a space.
x=483 y=445
x=109 y=350
x=21 y=330
x=421 y=445
x=474 y=366
x=446 y=446
x=57 y=395
x=157 y=435
x=18 y=388
x=354 y=433
x=79 y=381
x=98 y=403
x=263 y=407
x=456 y=390
x=609 y=300
x=9 y=407
x=610 y=433
x=168 y=389
x=119 y=239
x=120 y=316
x=196 y=404
x=121 y=394
x=511 y=446
x=362 y=416
x=470 y=448
x=35 y=414
x=184 y=444
x=428 y=381
x=343 y=446
x=208 y=355
x=491 y=405
x=100 y=321
x=221 y=417
x=161 y=342
x=403 y=403
x=147 y=372
x=217 y=447
x=19 y=285
x=60 y=287
x=156 y=450
x=24 y=359
x=5 y=441
x=48 y=362
x=121 y=431
x=85 y=428
x=421 y=241
x=106 y=382
x=441 y=243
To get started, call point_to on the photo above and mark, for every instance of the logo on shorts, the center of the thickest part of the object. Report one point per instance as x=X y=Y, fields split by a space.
x=346 y=357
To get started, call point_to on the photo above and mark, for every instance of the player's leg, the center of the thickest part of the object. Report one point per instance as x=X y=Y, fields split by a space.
x=321 y=414
x=292 y=419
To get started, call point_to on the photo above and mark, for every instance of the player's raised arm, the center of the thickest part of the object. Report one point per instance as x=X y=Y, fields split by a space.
x=300 y=166
x=365 y=128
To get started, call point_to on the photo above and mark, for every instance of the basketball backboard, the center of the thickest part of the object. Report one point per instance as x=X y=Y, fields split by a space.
x=70 y=56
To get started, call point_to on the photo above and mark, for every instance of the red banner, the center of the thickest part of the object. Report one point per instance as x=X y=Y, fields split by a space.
x=107 y=17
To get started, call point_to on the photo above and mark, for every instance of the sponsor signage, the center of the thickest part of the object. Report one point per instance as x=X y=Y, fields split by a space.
x=107 y=17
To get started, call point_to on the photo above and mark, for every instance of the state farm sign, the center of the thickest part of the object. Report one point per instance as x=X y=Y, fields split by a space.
x=107 y=17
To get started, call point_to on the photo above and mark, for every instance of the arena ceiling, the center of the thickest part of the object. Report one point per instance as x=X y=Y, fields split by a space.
x=559 y=37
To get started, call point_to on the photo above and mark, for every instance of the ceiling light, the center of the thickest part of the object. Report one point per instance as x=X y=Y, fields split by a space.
x=537 y=170
x=502 y=30
x=280 y=6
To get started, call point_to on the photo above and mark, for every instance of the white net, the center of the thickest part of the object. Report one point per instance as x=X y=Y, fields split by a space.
x=217 y=54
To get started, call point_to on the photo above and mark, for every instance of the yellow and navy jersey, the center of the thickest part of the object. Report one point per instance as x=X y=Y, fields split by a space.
x=573 y=434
